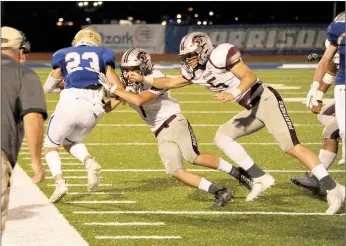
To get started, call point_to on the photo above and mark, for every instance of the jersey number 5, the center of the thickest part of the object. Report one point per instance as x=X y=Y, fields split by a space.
x=73 y=60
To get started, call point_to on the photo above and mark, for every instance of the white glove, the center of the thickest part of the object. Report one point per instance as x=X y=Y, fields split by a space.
x=108 y=86
x=310 y=101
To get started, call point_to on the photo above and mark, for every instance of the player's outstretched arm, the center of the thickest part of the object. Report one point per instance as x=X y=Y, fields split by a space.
x=322 y=66
x=113 y=77
x=136 y=99
x=160 y=83
x=54 y=82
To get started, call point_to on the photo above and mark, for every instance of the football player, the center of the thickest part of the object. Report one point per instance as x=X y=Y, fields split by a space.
x=221 y=69
x=175 y=136
x=326 y=116
x=81 y=104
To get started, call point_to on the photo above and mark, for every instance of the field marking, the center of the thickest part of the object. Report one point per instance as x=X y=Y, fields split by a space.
x=190 y=170
x=28 y=153
x=72 y=177
x=62 y=158
x=203 y=213
x=96 y=193
x=138 y=237
x=33 y=220
x=203 y=112
x=208 y=93
x=125 y=223
x=100 y=202
x=66 y=164
x=79 y=185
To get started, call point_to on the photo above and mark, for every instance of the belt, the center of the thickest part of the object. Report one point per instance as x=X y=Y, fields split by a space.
x=165 y=124
x=93 y=87
x=246 y=100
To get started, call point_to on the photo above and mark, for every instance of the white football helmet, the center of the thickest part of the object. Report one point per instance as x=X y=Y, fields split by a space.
x=195 y=43
x=135 y=59
x=87 y=36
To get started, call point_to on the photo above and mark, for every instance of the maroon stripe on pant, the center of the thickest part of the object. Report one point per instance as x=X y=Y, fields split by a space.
x=284 y=114
x=335 y=135
x=193 y=139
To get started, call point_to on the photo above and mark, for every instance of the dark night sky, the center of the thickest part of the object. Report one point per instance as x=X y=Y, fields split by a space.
x=38 y=19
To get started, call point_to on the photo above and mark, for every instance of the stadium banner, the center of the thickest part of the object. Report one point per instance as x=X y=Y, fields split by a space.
x=119 y=38
x=270 y=39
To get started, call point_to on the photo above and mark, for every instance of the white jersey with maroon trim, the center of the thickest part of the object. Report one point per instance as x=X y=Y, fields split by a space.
x=215 y=76
x=161 y=108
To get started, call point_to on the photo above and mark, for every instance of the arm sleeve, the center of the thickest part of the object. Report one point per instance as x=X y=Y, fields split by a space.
x=108 y=58
x=31 y=94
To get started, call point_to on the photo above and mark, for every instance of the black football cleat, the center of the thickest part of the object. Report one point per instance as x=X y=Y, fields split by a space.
x=244 y=179
x=222 y=196
x=308 y=182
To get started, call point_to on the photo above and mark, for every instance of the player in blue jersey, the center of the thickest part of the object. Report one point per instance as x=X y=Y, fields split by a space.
x=336 y=37
x=81 y=103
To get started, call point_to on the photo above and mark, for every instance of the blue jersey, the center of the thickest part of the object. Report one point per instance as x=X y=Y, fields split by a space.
x=80 y=65
x=336 y=36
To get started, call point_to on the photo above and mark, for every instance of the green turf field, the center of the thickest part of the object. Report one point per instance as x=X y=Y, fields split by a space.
x=133 y=176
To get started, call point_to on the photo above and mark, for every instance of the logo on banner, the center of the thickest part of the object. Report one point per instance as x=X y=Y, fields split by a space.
x=143 y=34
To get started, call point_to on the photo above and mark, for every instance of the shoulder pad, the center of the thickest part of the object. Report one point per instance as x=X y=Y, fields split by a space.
x=218 y=56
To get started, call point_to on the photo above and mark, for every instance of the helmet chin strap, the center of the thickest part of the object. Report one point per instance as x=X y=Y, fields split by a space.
x=85 y=42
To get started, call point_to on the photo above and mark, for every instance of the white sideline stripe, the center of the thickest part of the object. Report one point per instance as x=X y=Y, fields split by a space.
x=100 y=202
x=194 y=125
x=33 y=220
x=200 y=112
x=201 y=213
x=138 y=237
x=62 y=158
x=125 y=223
x=204 y=144
x=95 y=193
x=66 y=164
x=28 y=153
x=191 y=170
x=72 y=177
x=78 y=185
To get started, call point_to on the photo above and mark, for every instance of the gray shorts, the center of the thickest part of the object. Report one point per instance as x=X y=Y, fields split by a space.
x=269 y=112
x=176 y=142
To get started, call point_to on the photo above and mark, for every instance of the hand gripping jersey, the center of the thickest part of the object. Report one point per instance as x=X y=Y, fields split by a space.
x=217 y=78
x=80 y=65
x=161 y=108
x=336 y=36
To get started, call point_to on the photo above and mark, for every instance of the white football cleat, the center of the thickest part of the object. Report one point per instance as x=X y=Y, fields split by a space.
x=335 y=198
x=60 y=191
x=341 y=162
x=93 y=175
x=259 y=185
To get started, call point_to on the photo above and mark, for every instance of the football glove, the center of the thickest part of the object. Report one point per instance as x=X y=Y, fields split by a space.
x=310 y=101
x=108 y=86
x=314 y=57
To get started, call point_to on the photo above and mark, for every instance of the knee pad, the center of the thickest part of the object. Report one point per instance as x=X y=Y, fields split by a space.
x=221 y=140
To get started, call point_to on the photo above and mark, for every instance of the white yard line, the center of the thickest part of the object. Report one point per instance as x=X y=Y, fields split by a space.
x=192 y=170
x=101 y=202
x=33 y=220
x=201 y=112
x=79 y=185
x=62 y=158
x=138 y=237
x=125 y=224
x=95 y=193
x=28 y=153
x=193 y=125
x=202 y=213
x=65 y=164
x=72 y=177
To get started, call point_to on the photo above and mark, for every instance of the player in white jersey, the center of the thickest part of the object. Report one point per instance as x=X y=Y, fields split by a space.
x=80 y=106
x=176 y=139
x=221 y=69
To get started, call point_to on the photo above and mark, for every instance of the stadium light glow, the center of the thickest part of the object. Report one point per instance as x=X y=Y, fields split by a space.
x=85 y=3
x=210 y=23
x=164 y=23
x=130 y=18
x=236 y=18
x=100 y=3
x=204 y=23
x=138 y=22
x=87 y=19
x=190 y=9
x=80 y=4
x=70 y=23
x=61 y=19
x=59 y=23
x=178 y=16
x=179 y=21
x=198 y=22
x=211 y=13
x=95 y=4
x=196 y=15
